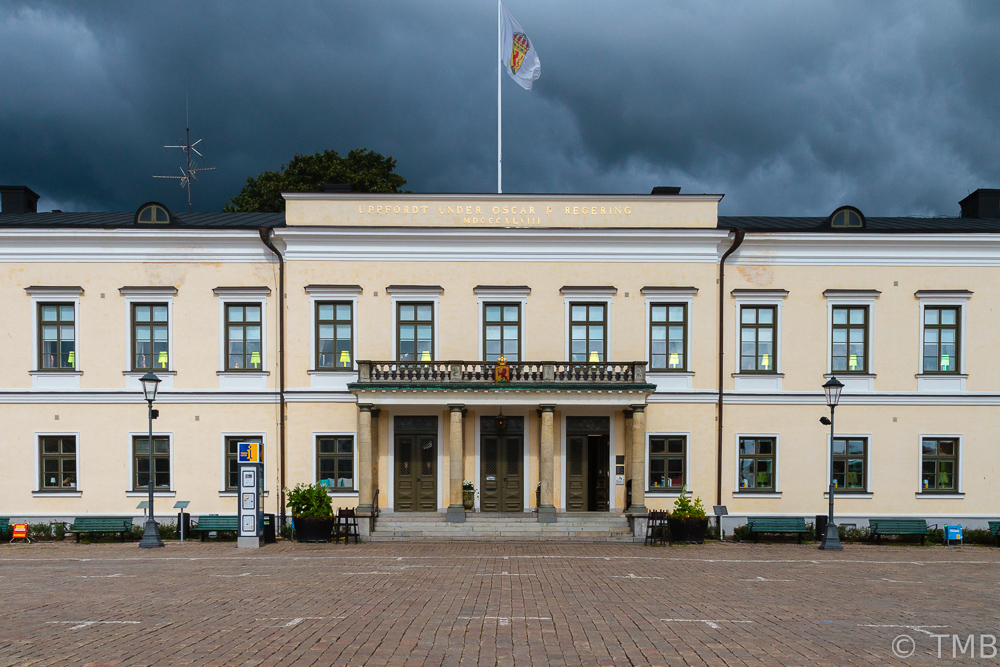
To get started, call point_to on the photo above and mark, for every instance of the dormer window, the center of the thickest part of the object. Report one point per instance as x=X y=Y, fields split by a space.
x=847 y=217
x=152 y=214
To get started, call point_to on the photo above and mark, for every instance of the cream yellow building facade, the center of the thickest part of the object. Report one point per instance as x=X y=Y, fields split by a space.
x=650 y=345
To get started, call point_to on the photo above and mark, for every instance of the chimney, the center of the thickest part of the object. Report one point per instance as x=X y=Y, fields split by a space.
x=666 y=190
x=16 y=199
x=982 y=204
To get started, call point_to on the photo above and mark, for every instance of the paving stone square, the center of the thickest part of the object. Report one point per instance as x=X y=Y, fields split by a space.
x=421 y=603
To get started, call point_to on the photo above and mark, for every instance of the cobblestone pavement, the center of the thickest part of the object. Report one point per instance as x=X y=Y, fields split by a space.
x=495 y=604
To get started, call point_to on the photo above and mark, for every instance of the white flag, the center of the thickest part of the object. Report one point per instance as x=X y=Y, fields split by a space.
x=518 y=53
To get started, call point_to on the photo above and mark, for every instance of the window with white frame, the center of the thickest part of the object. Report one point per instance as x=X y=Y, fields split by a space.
x=414 y=321
x=55 y=318
x=141 y=461
x=243 y=329
x=943 y=330
x=502 y=311
x=940 y=464
x=758 y=336
x=588 y=323
x=667 y=463
x=850 y=464
x=335 y=461
x=758 y=463
x=57 y=458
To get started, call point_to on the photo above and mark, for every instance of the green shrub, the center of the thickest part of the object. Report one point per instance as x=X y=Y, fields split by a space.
x=712 y=533
x=978 y=536
x=59 y=530
x=685 y=509
x=168 y=531
x=852 y=534
x=40 y=531
x=741 y=533
x=310 y=501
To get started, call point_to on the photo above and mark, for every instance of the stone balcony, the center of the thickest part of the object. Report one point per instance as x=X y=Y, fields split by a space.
x=480 y=376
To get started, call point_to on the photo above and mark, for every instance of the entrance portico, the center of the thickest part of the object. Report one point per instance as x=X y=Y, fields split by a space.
x=533 y=450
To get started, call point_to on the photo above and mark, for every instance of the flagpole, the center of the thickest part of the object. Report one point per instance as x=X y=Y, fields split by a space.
x=499 y=105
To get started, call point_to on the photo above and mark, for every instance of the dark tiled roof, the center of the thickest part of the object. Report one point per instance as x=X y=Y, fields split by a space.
x=764 y=224
x=120 y=220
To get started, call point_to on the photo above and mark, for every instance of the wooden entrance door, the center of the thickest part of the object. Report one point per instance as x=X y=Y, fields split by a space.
x=416 y=472
x=501 y=474
x=588 y=473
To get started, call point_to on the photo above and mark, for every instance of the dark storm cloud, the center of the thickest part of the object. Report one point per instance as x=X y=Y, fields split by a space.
x=787 y=108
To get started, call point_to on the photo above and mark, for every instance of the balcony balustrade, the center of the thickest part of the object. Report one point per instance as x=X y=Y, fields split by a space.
x=482 y=373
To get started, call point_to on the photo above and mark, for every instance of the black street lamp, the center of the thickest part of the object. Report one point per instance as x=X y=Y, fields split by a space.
x=832 y=389
x=151 y=535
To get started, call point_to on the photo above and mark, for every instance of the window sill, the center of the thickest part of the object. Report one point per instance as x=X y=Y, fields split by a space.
x=233 y=494
x=925 y=495
x=345 y=492
x=940 y=376
x=158 y=371
x=56 y=494
x=668 y=372
x=749 y=374
x=656 y=493
x=847 y=495
x=247 y=373
x=56 y=372
x=145 y=494
x=332 y=371
x=753 y=494
x=849 y=374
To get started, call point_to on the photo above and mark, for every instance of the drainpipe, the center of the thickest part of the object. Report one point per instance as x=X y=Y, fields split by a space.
x=722 y=292
x=265 y=236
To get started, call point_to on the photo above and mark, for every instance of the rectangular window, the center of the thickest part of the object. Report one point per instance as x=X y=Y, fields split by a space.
x=667 y=470
x=939 y=464
x=334 y=335
x=588 y=325
x=233 y=457
x=335 y=461
x=57 y=336
x=757 y=459
x=149 y=336
x=161 y=463
x=758 y=333
x=941 y=336
x=243 y=337
x=850 y=339
x=668 y=337
x=850 y=464
x=502 y=331
x=58 y=462
x=415 y=331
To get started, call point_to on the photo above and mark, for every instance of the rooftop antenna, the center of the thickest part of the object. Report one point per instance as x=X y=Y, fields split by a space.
x=191 y=172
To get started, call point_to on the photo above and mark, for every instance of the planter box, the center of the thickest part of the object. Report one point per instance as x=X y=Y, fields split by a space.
x=468 y=499
x=687 y=530
x=312 y=529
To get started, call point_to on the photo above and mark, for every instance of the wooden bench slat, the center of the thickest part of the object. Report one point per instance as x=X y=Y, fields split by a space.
x=880 y=527
x=216 y=523
x=100 y=524
x=777 y=524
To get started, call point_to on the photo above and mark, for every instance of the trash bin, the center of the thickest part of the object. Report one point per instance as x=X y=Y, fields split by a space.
x=269 y=529
x=820 y=526
x=184 y=520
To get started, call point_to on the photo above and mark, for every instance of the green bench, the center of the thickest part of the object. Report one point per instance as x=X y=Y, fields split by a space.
x=995 y=530
x=216 y=523
x=96 y=525
x=880 y=527
x=777 y=524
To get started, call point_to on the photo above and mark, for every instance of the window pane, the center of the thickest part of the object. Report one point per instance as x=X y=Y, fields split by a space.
x=66 y=313
x=747 y=446
x=253 y=313
x=234 y=313
x=676 y=313
x=510 y=313
x=766 y=316
x=857 y=316
x=948 y=316
x=596 y=313
x=659 y=314
x=578 y=313
x=406 y=312
x=424 y=313
x=765 y=447
x=344 y=311
x=931 y=316
x=839 y=316
x=657 y=446
x=325 y=311
x=492 y=313
x=49 y=313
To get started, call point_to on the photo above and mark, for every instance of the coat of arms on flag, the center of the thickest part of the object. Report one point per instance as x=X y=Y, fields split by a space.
x=501 y=372
x=519 y=47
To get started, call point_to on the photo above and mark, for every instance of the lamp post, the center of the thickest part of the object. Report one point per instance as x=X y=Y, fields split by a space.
x=832 y=389
x=151 y=535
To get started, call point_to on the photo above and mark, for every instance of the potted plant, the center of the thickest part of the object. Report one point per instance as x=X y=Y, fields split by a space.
x=312 y=512
x=468 y=494
x=687 y=521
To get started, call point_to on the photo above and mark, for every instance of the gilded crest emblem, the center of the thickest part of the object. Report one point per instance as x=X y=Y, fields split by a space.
x=501 y=372
x=517 y=53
